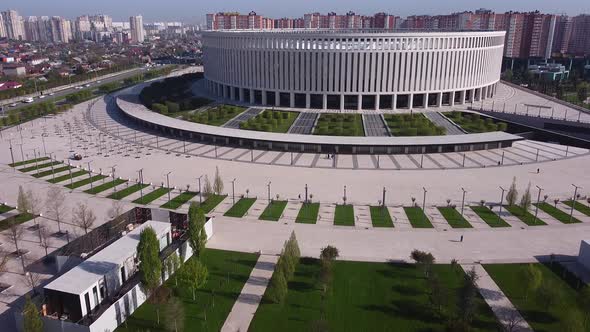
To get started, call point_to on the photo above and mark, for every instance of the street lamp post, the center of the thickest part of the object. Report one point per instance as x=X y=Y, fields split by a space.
x=501 y=202
x=344 y=194
x=306 y=193
x=70 y=171
x=200 y=193
x=463 y=201
x=233 y=191
x=268 y=186
x=168 y=185
x=574 y=201
x=424 y=204
x=113 y=169
x=537 y=205
x=89 y=175
x=383 y=201
x=140 y=178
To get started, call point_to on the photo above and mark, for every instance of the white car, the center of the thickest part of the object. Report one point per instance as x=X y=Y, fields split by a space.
x=51 y=94
x=42 y=97
x=28 y=100
x=13 y=105
x=78 y=87
x=87 y=85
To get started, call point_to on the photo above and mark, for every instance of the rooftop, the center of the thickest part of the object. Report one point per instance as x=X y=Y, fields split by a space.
x=355 y=31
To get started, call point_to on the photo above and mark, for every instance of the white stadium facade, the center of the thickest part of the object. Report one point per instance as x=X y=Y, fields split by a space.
x=353 y=69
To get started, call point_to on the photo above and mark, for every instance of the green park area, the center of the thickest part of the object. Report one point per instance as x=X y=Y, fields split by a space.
x=475 y=123
x=217 y=115
x=308 y=214
x=412 y=125
x=417 y=217
x=380 y=216
x=339 y=125
x=489 y=217
x=273 y=211
x=179 y=200
x=241 y=207
x=211 y=202
x=105 y=186
x=122 y=193
x=271 y=121
x=15 y=220
x=454 y=217
x=557 y=213
x=68 y=176
x=344 y=215
x=580 y=207
x=524 y=215
x=152 y=196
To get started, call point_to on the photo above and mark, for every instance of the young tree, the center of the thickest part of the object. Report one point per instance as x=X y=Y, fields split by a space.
x=32 y=321
x=207 y=188
x=116 y=210
x=4 y=258
x=15 y=234
x=193 y=275
x=525 y=200
x=22 y=201
x=172 y=265
x=582 y=91
x=423 y=259
x=467 y=296
x=150 y=266
x=439 y=294
x=32 y=280
x=174 y=315
x=548 y=295
x=329 y=253
x=83 y=216
x=159 y=297
x=45 y=238
x=218 y=182
x=34 y=205
x=197 y=237
x=277 y=287
x=534 y=277
x=55 y=205
x=512 y=194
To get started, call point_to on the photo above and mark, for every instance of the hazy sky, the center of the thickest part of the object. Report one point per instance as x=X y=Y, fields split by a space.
x=195 y=10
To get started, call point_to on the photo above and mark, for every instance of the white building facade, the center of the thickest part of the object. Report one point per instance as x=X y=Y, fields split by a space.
x=353 y=69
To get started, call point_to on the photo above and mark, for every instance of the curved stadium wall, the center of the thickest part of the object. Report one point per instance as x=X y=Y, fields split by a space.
x=352 y=69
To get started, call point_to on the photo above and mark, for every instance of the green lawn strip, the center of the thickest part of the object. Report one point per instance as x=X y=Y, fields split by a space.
x=368 y=297
x=240 y=208
x=557 y=213
x=39 y=166
x=211 y=202
x=332 y=124
x=177 y=201
x=84 y=182
x=67 y=176
x=273 y=211
x=411 y=125
x=417 y=217
x=490 y=218
x=271 y=121
x=30 y=161
x=308 y=214
x=533 y=307
x=344 y=215
x=105 y=186
x=15 y=220
x=54 y=171
x=228 y=272
x=475 y=123
x=152 y=196
x=127 y=191
x=218 y=115
x=524 y=216
x=454 y=217
x=583 y=208
x=380 y=216
x=5 y=208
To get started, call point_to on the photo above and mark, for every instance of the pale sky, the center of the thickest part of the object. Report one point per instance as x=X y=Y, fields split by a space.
x=194 y=10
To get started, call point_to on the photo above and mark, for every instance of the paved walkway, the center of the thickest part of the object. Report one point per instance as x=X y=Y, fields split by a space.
x=245 y=307
x=504 y=310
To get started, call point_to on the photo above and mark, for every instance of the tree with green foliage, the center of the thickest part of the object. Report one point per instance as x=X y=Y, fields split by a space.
x=217 y=182
x=467 y=304
x=207 y=188
x=150 y=265
x=197 y=237
x=193 y=275
x=525 y=200
x=329 y=253
x=573 y=321
x=534 y=278
x=174 y=315
x=172 y=265
x=582 y=91
x=32 y=321
x=512 y=194
x=423 y=259
x=584 y=302
x=439 y=294
x=548 y=295
x=277 y=287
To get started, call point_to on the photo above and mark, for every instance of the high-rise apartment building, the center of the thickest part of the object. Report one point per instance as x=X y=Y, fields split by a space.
x=13 y=24
x=32 y=28
x=579 y=43
x=61 y=30
x=137 y=31
x=236 y=21
x=3 y=33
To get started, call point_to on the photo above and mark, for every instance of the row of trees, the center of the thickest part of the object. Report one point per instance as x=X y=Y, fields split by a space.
x=172 y=94
x=284 y=271
x=213 y=188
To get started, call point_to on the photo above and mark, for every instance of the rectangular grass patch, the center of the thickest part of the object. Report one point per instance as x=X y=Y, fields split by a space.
x=583 y=208
x=30 y=161
x=85 y=181
x=38 y=167
x=5 y=208
x=308 y=214
x=211 y=202
x=15 y=220
x=344 y=215
x=240 y=208
x=105 y=186
x=54 y=171
x=454 y=217
x=127 y=191
x=490 y=218
x=177 y=201
x=152 y=196
x=273 y=211
x=67 y=176
x=524 y=216
x=380 y=216
x=417 y=217
x=557 y=213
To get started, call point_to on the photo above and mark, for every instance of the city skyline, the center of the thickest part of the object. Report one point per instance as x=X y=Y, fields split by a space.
x=178 y=9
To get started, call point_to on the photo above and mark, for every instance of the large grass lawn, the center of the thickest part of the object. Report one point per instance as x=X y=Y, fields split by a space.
x=380 y=216
x=241 y=207
x=308 y=214
x=539 y=314
x=273 y=211
x=228 y=271
x=490 y=218
x=218 y=115
x=583 y=208
x=54 y=171
x=152 y=196
x=417 y=217
x=271 y=121
x=179 y=200
x=105 y=186
x=211 y=202
x=475 y=123
x=454 y=217
x=39 y=166
x=525 y=216
x=412 y=125
x=557 y=213
x=85 y=181
x=339 y=125
x=67 y=176
x=127 y=191
x=367 y=297
x=30 y=161
x=344 y=215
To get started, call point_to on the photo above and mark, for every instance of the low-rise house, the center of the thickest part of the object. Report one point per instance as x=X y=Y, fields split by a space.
x=14 y=70
x=10 y=85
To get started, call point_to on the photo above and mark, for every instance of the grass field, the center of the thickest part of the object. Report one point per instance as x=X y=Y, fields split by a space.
x=228 y=271
x=308 y=214
x=5 y=208
x=211 y=202
x=15 y=220
x=83 y=182
x=583 y=208
x=67 y=177
x=344 y=215
x=105 y=186
x=273 y=211
x=271 y=121
x=39 y=166
x=179 y=200
x=127 y=191
x=557 y=213
x=380 y=216
x=240 y=208
x=454 y=217
x=26 y=162
x=475 y=123
x=526 y=217
x=339 y=125
x=54 y=171
x=152 y=196
x=490 y=218
x=542 y=312
x=417 y=217
x=367 y=297
x=218 y=115
x=411 y=125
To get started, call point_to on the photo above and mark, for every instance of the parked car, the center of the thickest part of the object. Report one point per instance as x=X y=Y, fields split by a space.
x=28 y=100
x=76 y=156
x=13 y=105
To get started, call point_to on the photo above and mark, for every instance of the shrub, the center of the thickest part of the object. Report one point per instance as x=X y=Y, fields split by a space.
x=160 y=108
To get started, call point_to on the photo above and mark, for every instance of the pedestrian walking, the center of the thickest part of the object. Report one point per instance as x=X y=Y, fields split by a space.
x=461 y=238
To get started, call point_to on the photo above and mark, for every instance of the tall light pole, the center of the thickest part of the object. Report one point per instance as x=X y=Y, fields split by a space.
x=501 y=203
x=268 y=186
x=70 y=171
x=424 y=204
x=200 y=193
x=113 y=169
x=306 y=193
x=383 y=201
x=537 y=205
x=463 y=201
x=233 y=191
x=89 y=174
x=344 y=194
x=168 y=185
x=140 y=178
x=574 y=201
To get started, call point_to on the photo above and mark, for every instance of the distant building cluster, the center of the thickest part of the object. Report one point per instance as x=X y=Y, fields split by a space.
x=528 y=35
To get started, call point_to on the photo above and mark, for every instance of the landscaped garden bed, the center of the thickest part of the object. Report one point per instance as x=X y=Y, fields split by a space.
x=417 y=217
x=339 y=125
x=580 y=207
x=475 y=123
x=152 y=196
x=557 y=213
x=217 y=116
x=127 y=191
x=271 y=121
x=454 y=217
x=380 y=216
x=489 y=217
x=344 y=215
x=241 y=207
x=273 y=211
x=179 y=200
x=524 y=216
x=412 y=125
